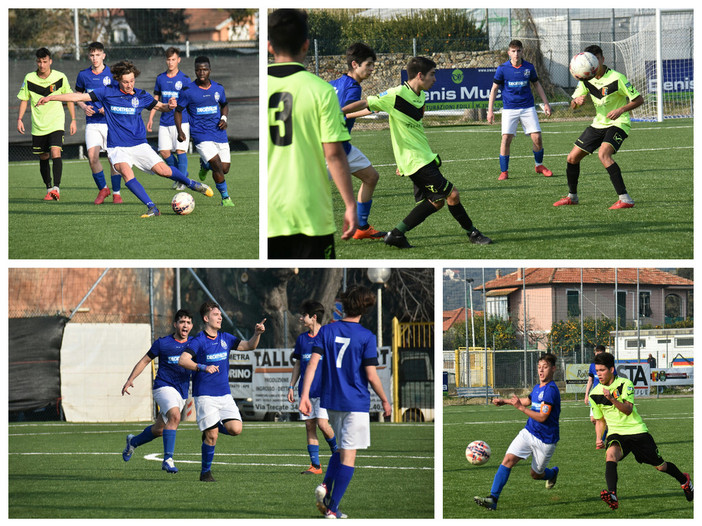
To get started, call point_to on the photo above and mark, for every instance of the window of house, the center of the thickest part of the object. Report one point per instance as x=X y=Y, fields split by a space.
x=573 y=298
x=645 y=304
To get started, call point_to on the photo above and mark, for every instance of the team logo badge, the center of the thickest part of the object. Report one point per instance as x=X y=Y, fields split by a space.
x=605 y=91
x=135 y=102
x=526 y=73
x=216 y=96
x=541 y=396
x=106 y=81
x=223 y=344
x=178 y=85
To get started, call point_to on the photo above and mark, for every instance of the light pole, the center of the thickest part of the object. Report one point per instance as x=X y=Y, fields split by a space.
x=379 y=276
x=472 y=320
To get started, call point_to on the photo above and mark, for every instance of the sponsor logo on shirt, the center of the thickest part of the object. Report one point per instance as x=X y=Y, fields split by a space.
x=207 y=110
x=170 y=94
x=173 y=359
x=217 y=357
x=122 y=110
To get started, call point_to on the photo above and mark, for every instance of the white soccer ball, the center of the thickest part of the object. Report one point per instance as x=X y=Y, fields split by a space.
x=478 y=452
x=583 y=66
x=183 y=203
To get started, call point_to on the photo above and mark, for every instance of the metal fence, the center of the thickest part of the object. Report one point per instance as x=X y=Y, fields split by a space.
x=568 y=311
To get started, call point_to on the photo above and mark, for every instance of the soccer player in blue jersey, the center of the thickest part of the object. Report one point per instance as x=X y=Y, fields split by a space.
x=312 y=315
x=126 y=137
x=96 y=76
x=208 y=355
x=170 y=389
x=515 y=78
x=168 y=86
x=206 y=104
x=350 y=357
x=539 y=436
x=360 y=59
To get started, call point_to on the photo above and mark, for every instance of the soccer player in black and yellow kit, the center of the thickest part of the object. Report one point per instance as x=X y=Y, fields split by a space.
x=612 y=402
x=48 y=122
x=614 y=97
x=413 y=155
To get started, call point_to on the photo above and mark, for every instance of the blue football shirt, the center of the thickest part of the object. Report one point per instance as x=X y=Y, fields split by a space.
x=515 y=84
x=303 y=353
x=123 y=112
x=167 y=88
x=212 y=351
x=170 y=374
x=347 y=348
x=88 y=81
x=204 y=107
x=545 y=399
x=347 y=90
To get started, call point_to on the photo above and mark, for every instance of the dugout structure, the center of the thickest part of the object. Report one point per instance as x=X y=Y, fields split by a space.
x=413 y=364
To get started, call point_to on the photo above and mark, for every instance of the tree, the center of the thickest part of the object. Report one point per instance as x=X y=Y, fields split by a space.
x=157 y=26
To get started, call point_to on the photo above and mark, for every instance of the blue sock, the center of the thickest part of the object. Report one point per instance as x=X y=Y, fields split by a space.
x=177 y=175
x=332 y=469
x=207 y=456
x=183 y=162
x=222 y=187
x=116 y=183
x=550 y=472
x=340 y=484
x=500 y=480
x=363 y=211
x=604 y=437
x=142 y=438
x=313 y=450
x=169 y=436
x=170 y=160
x=221 y=428
x=504 y=163
x=138 y=190
x=332 y=444
x=99 y=179
x=539 y=156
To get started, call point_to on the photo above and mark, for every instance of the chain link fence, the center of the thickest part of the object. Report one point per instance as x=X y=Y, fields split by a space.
x=633 y=312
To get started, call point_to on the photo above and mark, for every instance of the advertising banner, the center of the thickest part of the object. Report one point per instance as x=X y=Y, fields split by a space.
x=459 y=88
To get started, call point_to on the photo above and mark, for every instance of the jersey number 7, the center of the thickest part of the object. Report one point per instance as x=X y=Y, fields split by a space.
x=344 y=345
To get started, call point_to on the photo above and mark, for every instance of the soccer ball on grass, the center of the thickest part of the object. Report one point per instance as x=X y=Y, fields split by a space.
x=478 y=452
x=583 y=66
x=183 y=203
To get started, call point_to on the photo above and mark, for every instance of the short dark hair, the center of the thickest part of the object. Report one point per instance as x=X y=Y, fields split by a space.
x=594 y=49
x=124 y=67
x=43 y=52
x=418 y=65
x=288 y=30
x=548 y=357
x=359 y=52
x=515 y=43
x=605 y=359
x=202 y=59
x=95 y=46
x=357 y=300
x=313 y=308
x=172 y=51
x=600 y=348
x=208 y=307
x=182 y=313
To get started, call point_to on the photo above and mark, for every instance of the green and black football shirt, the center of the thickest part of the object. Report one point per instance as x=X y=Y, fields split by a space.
x=51 y=116
x=303 y=113
x=406 y=111
x=608 y=93
x=617 y=422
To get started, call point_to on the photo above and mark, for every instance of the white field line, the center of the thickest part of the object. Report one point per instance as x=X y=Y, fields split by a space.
x=561 y=420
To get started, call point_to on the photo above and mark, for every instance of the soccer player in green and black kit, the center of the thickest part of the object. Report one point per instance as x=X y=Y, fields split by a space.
x=306 y=127
x=413 y=156
x=614 y=97
x=612 y=402
x=48 y=122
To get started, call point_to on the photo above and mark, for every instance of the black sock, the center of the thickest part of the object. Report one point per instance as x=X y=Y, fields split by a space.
x=419 y=213
x=611 y=476
x=45 y=171
x=459 y=214
x=615 y=175
x=58 y=170
x=572 y=174
x=674 y=472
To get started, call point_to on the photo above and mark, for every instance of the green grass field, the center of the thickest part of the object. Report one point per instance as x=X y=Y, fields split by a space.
x=75 y=228
x=643 y=492
x=60 y=470
x=518 y=214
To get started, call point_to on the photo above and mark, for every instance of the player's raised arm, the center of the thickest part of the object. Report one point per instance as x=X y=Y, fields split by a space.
x=138 y=368
x=252 y=342
x=65 y=97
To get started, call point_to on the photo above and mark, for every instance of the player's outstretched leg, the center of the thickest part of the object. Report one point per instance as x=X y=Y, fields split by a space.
x=129 y=449
x=610 y=498
x=551 y=475
x=488 y=502
x=687 y=487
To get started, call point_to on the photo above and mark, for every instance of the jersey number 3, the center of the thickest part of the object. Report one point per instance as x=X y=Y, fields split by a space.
x=282 y=104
